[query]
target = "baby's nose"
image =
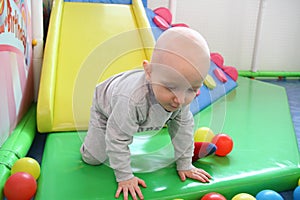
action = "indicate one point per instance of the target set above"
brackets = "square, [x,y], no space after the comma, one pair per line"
[180,98]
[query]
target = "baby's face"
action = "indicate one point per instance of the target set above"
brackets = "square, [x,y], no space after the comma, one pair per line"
[179,62]
[175,83]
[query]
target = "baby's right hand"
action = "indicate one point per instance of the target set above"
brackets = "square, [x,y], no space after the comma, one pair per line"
[131,185]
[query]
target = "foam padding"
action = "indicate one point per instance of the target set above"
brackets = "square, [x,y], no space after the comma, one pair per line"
[4,174]
[265,153]
[208,96]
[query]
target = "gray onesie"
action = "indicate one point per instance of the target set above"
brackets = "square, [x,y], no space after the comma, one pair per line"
[124,105]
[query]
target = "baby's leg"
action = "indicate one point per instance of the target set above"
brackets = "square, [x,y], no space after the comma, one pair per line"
[87,157]
[93,149]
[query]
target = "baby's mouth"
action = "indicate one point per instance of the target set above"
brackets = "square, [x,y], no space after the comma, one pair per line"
[174,106]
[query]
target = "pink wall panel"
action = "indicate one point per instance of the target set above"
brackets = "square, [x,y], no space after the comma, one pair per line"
[16,81]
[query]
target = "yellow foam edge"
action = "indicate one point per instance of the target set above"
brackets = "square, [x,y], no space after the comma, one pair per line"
[144,27]
[48,74]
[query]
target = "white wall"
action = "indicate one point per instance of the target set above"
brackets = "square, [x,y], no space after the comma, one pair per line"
[280,36]
[231,28]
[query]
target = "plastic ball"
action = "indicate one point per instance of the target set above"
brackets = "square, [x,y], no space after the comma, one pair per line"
[203,134]
[213,196]
[243,196]
[299,182]
[20,186]
[224,144]
[268,195]
[296,193]
[34,42]
[29,165]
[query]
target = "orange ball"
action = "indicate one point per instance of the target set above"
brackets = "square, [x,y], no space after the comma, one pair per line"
[20,185]
[224,144]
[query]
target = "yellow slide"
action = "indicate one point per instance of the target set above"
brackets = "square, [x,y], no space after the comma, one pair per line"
[87,43]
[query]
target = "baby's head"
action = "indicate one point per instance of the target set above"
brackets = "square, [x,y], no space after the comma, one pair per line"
[179,64]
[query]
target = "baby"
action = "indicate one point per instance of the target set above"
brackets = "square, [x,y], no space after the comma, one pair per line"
[139,100]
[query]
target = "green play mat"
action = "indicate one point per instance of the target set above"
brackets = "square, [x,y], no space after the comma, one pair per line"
[265,153]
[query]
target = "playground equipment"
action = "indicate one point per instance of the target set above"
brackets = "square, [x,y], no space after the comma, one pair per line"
[88,42]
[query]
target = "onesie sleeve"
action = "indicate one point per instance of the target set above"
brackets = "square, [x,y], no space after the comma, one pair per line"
[121,126]
[181,132]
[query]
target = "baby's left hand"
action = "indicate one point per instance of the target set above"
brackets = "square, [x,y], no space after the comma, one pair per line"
[194,173]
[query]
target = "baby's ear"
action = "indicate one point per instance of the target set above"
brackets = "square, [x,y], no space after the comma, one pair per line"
[147,69]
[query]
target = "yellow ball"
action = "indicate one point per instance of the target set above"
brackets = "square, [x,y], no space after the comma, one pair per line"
[34,42]
[28,165]
[203,134]
[299,182]
[243,196]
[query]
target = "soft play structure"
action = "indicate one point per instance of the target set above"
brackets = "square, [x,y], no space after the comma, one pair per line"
[87,42]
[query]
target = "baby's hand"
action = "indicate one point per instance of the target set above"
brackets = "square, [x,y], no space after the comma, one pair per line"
[194,173]
[131,185]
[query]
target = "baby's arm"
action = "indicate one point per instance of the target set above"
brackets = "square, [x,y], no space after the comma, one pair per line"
[181,131]
[121,126]
[119,156]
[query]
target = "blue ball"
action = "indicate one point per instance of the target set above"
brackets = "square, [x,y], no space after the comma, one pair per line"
[296,193]
[268,195]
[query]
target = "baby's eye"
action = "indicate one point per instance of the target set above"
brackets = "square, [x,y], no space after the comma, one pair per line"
[171,88]
[193,90]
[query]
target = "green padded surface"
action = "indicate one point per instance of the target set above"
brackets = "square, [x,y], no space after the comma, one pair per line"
[265,154]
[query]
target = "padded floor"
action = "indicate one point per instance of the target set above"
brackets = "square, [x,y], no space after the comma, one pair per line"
[292,87]
[265,154]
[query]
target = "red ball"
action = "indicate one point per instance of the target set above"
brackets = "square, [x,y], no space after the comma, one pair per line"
[224,144]
[20,186]
[213,196]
